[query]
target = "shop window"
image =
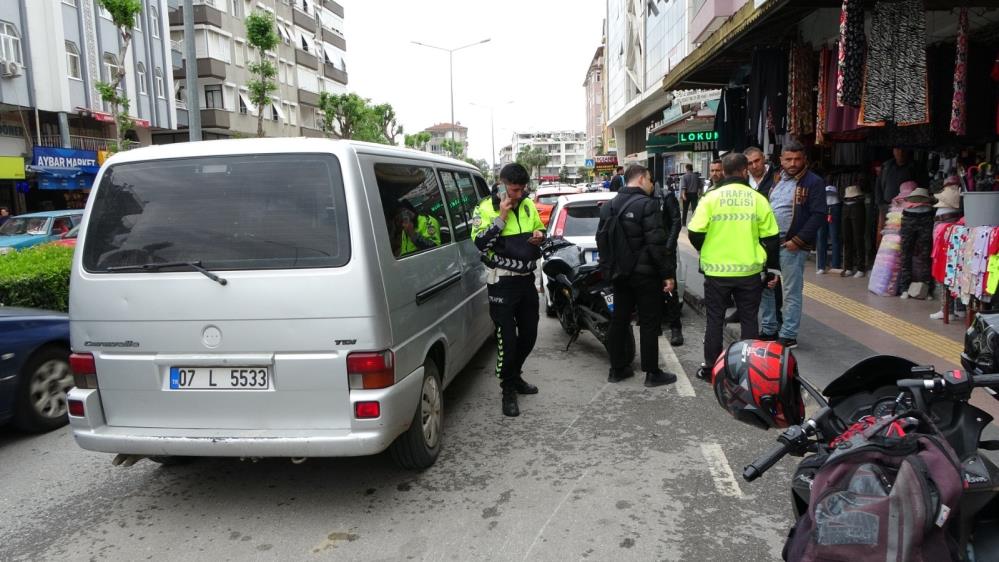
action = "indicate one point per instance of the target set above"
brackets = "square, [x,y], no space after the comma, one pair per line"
[415,213]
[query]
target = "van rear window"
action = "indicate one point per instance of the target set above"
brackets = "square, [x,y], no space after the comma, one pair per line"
[258,211]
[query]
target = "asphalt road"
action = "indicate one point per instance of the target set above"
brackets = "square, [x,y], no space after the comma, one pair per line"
[590,470]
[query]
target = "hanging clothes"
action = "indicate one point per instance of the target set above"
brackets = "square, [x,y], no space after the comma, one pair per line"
[850,61]
[839,118]
[958,116]
[895,86]
[731,120]
[801,81]
[767,102]
[825,58]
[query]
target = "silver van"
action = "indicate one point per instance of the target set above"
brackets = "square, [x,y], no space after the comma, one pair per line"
[274,298]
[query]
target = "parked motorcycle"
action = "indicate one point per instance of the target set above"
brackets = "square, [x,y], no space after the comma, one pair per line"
[582,298]
[885,388]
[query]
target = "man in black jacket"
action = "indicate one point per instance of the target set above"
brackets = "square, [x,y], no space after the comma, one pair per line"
[640,221]
[671,224]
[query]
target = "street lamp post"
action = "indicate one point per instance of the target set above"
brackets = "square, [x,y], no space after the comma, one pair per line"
[450,62]
[492,133]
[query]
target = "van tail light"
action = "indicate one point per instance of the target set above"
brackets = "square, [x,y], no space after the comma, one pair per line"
[560,222]
[369,370]
[76,408]
[84,370]
[367,410]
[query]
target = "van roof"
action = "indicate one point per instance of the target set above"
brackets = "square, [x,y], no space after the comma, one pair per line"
[274,145]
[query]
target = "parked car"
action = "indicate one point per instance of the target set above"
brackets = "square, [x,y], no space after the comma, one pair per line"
[576,218]
[222,306]
[546,197]
[34,368]
[24,231]
[68,239]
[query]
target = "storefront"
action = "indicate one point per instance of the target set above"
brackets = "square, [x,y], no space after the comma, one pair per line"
[61,178]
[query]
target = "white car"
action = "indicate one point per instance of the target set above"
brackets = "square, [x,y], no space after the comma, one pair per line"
[575,218]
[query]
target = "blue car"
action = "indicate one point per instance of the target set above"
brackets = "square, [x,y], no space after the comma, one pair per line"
[34,368]
[24,231]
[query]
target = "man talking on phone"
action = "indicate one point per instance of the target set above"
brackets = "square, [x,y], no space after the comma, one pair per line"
[507,231]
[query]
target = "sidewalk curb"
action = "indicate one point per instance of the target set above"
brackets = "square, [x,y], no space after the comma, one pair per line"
[731,332]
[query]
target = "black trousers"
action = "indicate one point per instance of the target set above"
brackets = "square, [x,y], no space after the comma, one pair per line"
[689,201]
[671,310]
[747,292]
[647,294]
[513,307]
[917,246]
[854,223]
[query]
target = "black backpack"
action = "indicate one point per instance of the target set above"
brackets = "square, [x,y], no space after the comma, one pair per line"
[617,258]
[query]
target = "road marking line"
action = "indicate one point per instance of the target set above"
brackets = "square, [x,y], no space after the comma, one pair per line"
[666,353]
[583,410]
[935,344]
[721,472]
[550,517]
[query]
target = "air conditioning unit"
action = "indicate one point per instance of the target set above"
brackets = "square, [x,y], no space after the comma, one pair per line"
[10,69]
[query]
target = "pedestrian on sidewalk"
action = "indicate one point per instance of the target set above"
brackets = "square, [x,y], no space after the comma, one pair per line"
[761,174]
[508,231]
[635,254]
[736,234]
[617,182]
[690,191]
[715,173]
[854,222]
[798,199]
[671,224]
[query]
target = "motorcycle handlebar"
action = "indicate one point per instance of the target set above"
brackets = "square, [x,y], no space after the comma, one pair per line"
[765,462]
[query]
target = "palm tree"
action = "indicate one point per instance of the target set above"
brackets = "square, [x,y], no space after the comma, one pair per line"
[533,158]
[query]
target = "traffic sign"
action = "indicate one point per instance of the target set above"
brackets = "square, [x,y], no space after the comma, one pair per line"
[590,163]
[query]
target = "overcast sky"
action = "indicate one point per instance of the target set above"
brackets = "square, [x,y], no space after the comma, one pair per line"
[537,57]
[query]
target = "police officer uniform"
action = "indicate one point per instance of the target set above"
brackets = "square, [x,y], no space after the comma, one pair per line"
[735,231]
[510,261]
[427,234]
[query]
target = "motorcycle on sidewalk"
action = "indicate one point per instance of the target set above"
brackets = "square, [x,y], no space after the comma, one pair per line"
[581,297]
[886,408]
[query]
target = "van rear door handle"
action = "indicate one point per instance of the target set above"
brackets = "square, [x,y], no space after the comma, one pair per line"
[437,288]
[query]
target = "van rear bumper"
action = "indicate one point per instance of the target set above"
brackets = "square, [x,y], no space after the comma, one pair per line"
[365,437]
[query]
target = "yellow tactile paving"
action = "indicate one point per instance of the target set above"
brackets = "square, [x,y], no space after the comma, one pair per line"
[940,346]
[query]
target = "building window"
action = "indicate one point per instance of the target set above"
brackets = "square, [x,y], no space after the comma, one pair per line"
[240,53]
[140,78]
[305,6]
[213,96]
[138,22]
[159,84]
[73,61]
[293,114]
[103,12]
[305,44]
[111,67]
[237,8]
[10,43]
[154,19]
[243,109]
[69,3]
[274,112]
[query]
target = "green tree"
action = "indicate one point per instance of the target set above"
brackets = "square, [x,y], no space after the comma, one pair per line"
[585,173]
[123,14]
[533,158]
[349,116]
[563,175]
[454,148]
[481,164]
[261,35]
[600,146]
[417,141]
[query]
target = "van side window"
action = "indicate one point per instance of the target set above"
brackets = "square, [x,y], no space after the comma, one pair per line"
[459,188]
[414,209]
[481,188]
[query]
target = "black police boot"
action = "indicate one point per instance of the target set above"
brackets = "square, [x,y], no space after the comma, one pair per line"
[659,378]
[676,337]
[524,387]
[510,407]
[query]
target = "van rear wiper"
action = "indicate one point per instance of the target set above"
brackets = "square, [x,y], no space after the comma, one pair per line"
[195,265]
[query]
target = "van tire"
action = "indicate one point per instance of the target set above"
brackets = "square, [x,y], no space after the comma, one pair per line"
[418,447]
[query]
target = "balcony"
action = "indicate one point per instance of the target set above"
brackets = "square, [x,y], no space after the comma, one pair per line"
[207,68]
[306,59]
[313,133]
[202,15]
[303,20]
[214,118]
[76,141]
[334,73]
[333,7]
[710,17]
[334,39]
[308,98]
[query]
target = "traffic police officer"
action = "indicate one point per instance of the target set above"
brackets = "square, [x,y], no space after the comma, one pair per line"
[736,234]
[425,234]
[507,231]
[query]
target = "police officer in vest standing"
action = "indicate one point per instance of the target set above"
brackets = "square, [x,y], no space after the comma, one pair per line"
[508,232]
[736,234]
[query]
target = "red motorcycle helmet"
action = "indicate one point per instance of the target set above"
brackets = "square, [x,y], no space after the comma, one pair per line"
[757,382]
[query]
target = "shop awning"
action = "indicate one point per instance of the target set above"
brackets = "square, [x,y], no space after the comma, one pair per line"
[250,108]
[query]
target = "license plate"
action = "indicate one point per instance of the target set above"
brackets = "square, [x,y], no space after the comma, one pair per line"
[220,378]
[609,299]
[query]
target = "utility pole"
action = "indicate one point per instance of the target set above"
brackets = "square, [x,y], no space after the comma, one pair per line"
[191,74]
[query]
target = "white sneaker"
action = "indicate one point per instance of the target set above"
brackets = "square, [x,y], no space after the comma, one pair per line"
[938,315]
[859,274]
[847,273]
[904,295]
[820,272]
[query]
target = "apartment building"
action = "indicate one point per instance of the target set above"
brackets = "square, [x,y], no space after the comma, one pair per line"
[596,119]
[564,148]
[442,131]
[310,59]
[52,55]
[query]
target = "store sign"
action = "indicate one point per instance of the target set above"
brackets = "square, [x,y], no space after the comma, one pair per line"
[605,164]
[11,168]
[63,157]
[702,136]
[108,118]
[696,141]
[11,131]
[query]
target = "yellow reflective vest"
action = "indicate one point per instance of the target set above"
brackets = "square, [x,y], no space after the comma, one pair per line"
[505,245]
[426,228]
[733,218]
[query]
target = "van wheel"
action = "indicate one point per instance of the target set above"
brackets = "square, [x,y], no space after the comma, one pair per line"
[171,460]
[419,446]
[41,395]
